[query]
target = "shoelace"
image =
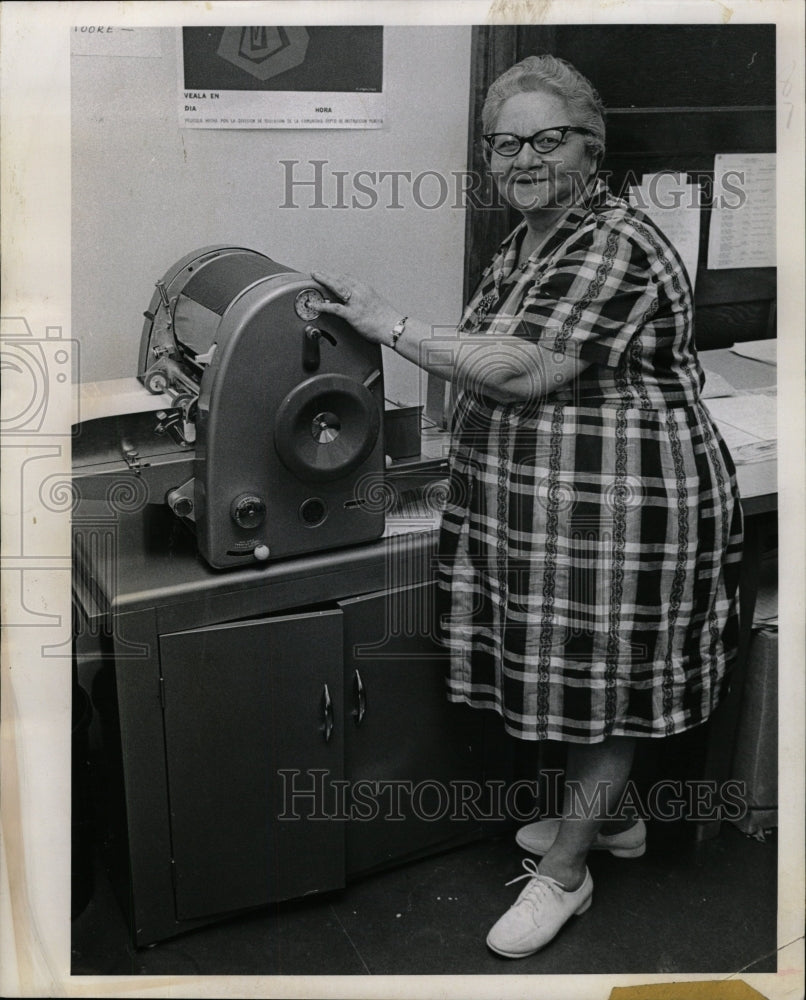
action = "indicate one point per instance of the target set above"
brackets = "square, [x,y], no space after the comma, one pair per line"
[539,882]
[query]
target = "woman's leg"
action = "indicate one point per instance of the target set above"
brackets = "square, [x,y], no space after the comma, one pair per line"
[560,886]
[599,771]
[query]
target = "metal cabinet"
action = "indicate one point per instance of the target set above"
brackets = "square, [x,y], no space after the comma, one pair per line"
[233,746]
[248,712]
[407,750]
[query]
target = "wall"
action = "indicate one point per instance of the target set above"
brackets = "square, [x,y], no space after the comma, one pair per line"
[145,192]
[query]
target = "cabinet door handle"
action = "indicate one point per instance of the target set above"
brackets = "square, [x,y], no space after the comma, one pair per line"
[327,711]
[360,699]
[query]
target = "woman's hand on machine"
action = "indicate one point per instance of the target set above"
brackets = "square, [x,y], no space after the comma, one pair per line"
[359,305]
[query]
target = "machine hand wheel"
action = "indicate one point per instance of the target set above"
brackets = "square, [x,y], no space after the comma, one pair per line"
[326,427]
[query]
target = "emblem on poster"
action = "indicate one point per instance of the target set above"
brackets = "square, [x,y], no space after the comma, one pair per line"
[264,52]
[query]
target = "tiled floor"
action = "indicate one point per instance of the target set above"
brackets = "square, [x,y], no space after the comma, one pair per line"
[683,907]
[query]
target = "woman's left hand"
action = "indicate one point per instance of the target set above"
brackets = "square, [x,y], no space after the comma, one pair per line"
[360,306]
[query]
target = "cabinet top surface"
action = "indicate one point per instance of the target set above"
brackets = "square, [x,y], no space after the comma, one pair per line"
[146,559]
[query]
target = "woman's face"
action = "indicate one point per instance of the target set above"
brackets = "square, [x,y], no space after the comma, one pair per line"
[536,182]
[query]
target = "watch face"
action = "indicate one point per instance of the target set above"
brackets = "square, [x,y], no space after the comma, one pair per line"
[307,303]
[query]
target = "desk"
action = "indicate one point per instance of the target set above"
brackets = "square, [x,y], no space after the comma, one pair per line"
[759,492]
[757,480]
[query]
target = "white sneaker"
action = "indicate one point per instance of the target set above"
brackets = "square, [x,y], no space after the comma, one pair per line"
[537,838]
[537,914]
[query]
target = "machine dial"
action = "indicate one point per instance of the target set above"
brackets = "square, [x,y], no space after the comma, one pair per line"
[307,303]
[248,511]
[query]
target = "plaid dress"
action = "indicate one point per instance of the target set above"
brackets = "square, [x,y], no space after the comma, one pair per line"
[590,545]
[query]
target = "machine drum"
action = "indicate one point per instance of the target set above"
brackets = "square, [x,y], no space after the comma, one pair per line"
[326,427]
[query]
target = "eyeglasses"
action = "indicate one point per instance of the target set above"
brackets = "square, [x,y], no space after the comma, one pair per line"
[544,141]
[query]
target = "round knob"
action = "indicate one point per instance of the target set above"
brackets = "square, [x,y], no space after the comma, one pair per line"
[248,511]
[181,505]
[261,552]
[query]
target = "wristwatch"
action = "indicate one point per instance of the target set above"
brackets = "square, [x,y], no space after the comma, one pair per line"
[397,331]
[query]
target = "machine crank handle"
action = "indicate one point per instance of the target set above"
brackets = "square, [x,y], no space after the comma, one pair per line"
[327,713]
[311,336]
[360,694]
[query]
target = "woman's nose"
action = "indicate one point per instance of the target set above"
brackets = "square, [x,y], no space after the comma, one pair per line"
[528,157]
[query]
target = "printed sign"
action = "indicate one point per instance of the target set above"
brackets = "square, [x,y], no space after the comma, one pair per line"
[281,77]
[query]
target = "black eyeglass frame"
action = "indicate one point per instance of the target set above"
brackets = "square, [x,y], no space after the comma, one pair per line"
[523,139]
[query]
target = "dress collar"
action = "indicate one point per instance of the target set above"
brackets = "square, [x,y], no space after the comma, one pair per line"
[564,227]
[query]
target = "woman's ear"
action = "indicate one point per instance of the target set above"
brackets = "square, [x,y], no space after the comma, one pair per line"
[596,158]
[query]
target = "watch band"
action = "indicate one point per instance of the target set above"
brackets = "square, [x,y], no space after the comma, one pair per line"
[397,331]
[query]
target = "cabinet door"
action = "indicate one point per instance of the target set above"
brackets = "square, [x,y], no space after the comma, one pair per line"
[244,703]
[407,749]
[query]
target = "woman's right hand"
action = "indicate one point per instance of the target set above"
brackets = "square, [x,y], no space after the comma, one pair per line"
[360,306]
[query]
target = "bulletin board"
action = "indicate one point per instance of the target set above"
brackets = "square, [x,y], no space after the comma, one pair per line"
[676,97]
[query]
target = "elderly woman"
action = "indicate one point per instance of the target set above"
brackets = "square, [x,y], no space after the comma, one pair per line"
[589,550]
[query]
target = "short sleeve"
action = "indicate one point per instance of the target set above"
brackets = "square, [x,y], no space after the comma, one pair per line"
[593,298]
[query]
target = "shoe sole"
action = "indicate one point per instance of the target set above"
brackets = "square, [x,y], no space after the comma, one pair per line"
[624,852]
[525,954]
[617,852]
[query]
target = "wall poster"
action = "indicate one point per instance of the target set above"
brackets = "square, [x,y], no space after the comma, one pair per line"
[281,77]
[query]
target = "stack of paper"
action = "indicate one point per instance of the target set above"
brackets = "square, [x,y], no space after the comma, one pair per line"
[716,385]
[115,397]
[748,424]
[758,350]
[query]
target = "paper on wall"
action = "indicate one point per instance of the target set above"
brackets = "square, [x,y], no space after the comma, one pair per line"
[281,77]
[673,205]
[742,230]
